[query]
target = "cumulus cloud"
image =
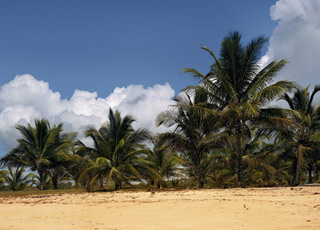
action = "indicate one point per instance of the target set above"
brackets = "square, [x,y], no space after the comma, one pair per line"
[25,98]
[296,38]
[143,104]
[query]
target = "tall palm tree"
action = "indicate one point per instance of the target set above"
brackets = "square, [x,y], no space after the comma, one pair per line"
[39,147]
[239,90]
[117,151]
[304,138]
[194,136]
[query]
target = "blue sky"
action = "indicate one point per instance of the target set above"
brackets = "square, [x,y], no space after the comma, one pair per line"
[70,61]
[100,45]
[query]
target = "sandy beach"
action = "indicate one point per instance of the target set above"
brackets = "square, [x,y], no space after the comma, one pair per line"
[230,209]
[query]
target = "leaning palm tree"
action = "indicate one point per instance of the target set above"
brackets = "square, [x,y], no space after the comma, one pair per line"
[239,90]
[16,180]
[304,138]
[39,147]
[117,151]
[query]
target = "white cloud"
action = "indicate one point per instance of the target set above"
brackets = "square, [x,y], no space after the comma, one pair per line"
[143,104]
[296,38]
[25,98]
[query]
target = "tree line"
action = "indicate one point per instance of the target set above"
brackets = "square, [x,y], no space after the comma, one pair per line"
[224,132]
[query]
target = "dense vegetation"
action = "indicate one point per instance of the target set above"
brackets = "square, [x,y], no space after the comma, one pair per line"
[224,132]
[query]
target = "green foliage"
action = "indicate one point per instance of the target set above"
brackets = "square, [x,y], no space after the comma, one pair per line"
[15,178]
[304,138]
[117,154]
[238,91]
[43,149]
[222,133]
[164,164]
[194,137]
[3,175]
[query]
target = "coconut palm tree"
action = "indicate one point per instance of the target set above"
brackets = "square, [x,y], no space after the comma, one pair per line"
[44,183]
[61,167]
[304,138]
[16,180]
[3,174]
[239,90]
[39,147]
[262,163]
[117,153]
[165,163]
[194,136]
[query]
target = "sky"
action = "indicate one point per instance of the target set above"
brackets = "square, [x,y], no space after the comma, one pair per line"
[70,61]
[99,45]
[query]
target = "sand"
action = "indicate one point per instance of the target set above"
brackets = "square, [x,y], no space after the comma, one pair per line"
[258,208]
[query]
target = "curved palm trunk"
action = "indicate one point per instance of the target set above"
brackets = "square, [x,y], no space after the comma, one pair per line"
[298,166]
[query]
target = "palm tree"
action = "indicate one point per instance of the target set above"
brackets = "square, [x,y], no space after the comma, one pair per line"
[60,167]
[239,90]
[117,151]
[16,180]
[194,136]
[165,163]
[39,148]
[3,174]
[304,138]
[263,166]
[43,183]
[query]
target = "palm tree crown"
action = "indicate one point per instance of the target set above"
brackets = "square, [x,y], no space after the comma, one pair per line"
[194,136]
[305,136]
[116,152]
[39,147]
[239,90]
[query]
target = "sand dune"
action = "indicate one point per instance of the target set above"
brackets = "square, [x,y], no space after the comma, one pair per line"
[228,209]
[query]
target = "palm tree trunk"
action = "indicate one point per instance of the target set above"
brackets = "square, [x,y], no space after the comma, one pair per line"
[298,166]
[239,162]
[200,182]
[55,182]
[88,187]
[117,185]
[101,182]
[41,180]
[310,169]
